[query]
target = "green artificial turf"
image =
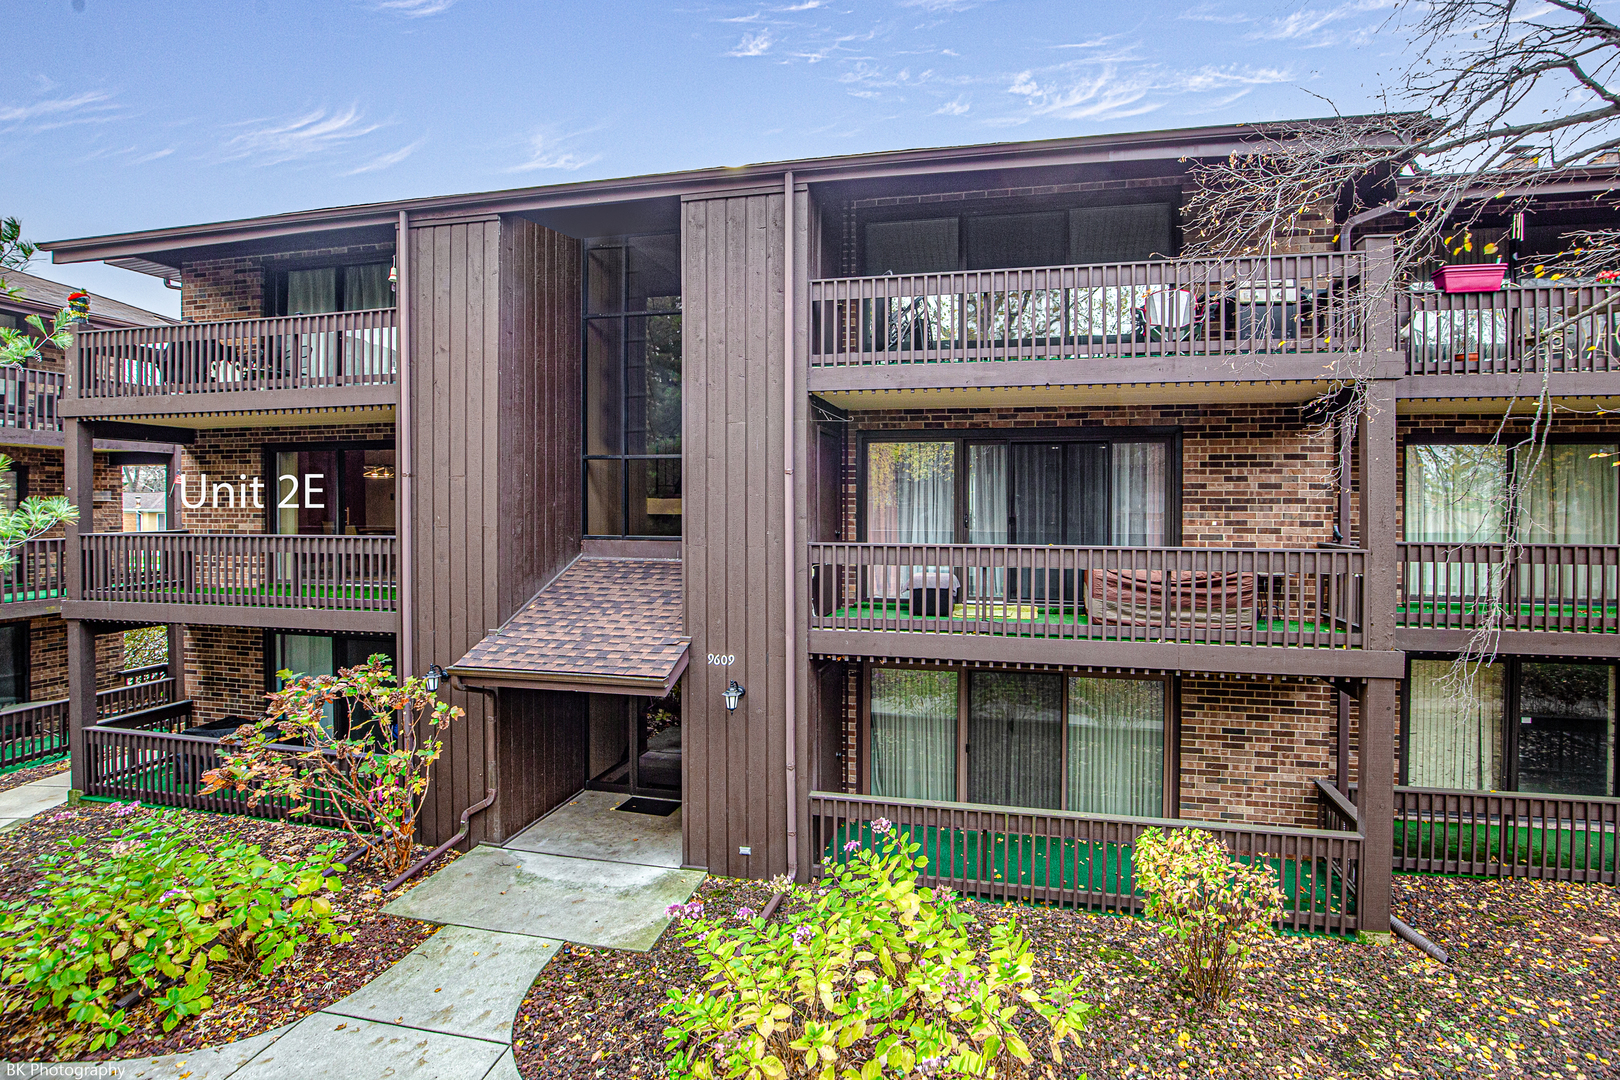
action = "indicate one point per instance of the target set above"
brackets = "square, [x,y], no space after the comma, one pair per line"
[1462,615]
[1067,616]
[23,597]
[41,744]
[1519,845]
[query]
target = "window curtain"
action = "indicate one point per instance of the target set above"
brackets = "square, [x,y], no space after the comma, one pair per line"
[312,292]
[1037,493]
[913,734]
[1455,494]
[1138,494]
[1454,741]
[987,514]
[910,498]
[1568,497]
[13,663]
[1116,747]
[1015,740]
[368,353]
[307,654]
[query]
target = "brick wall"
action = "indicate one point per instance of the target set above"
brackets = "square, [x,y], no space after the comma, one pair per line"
[47,658]
[224,672]
[227,455]
[1252,475]
[218,289]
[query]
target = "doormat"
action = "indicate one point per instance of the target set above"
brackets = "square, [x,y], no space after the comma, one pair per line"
[655,807]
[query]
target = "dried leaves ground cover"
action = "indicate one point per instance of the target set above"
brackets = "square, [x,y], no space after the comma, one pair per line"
[245,1003]
[1533,990]
[18,777]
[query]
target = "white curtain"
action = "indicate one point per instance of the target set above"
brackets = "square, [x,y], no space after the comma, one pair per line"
[1455,494]
[1454,741]
[910,498]
[1138,494]
[314,292]
[1569,497]
[1116,747]
[914,734]
[987,514]
[1015,740]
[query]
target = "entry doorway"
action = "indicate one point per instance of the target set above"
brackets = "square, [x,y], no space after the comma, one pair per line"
[636,745]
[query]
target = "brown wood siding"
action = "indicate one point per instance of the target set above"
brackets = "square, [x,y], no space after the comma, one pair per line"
[734,765]
[543,744]
[493,435]
[537,455]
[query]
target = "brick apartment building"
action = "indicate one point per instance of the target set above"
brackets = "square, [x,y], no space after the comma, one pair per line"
[996,517]
[33,635]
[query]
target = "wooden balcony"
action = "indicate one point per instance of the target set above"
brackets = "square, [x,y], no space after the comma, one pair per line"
[345,359]
[1082,860]
[1195,609]
[30,403]
[36,581]
[1505,343]
[316,582]
[1545,599]
[1283,318]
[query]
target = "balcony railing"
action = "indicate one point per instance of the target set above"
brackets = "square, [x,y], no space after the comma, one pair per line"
[1307,598]
[28,399]
[295,352]
[1082,860]
[1281,304]
[1507,834]
[36,730]
[1520,328]
[330,573]
[1547,587]
[39,573]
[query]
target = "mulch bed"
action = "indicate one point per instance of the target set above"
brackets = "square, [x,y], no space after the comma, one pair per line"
[19,777]
[1531,991]
[245,1003]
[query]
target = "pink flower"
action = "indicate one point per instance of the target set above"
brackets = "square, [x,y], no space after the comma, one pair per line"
[882,825]
[853,845]
[745,913]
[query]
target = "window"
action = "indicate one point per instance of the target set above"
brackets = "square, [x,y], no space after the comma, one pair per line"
[1563,741]
[13,487]
[325,654]
[331,489]
[1020,491]
[317,290]
[145,497]
[632,391]
[1096,745]
[13,663]
[1134,232]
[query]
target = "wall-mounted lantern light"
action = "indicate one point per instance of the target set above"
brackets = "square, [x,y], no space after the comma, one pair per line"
[434,676]
[733,694]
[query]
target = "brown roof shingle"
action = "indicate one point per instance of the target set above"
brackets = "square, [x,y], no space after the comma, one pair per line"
[605,625]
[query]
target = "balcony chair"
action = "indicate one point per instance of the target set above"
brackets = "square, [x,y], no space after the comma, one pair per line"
[1169,314]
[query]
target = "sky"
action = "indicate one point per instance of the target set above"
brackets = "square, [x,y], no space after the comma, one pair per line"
[119,115]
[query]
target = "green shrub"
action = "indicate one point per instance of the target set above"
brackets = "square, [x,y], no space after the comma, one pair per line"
[146,909]
[867,976]
[1213,909]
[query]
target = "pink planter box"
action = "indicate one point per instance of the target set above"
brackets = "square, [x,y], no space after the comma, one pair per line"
[1473,277]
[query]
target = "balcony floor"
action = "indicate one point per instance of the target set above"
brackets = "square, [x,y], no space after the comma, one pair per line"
[1032,616]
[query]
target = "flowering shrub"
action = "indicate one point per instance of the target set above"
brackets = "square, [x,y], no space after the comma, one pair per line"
[867,975]
[375,783]
[146,910]
[1213,910]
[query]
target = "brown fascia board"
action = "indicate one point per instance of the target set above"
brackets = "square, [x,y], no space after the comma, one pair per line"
[1556,182]
[1203,142]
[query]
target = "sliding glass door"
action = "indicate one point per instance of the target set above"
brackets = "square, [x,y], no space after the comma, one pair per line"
[1095,745]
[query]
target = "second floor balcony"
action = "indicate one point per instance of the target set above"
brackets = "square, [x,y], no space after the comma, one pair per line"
[325,582]
[1209,609]
[344,358]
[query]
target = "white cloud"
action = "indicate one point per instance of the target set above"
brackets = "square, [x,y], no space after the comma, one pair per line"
[941,5]
[271,141]
[46,113]
[413,9]
[384,161]
[1110,90]
[808,5]
[154,155]
[952,108]
[1319,27]
[753,44]
[544,154]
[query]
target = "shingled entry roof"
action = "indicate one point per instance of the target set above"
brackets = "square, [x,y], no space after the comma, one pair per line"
[604,625]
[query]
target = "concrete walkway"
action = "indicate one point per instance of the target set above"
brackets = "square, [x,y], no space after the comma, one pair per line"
[446,1009]
[23,802]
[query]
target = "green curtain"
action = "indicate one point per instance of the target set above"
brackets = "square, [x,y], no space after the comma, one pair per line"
[913,749]
[1454,741]
[1116,747]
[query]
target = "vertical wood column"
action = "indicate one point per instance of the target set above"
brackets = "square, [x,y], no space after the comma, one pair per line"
[81,673]
[177,659]
[1375,764]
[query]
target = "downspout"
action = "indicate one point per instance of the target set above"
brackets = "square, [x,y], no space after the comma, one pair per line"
[476,808]
[1365,215]
[406,440]
[790,607]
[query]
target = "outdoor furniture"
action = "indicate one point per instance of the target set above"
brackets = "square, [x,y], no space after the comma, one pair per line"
[933,592]
[1202,599]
